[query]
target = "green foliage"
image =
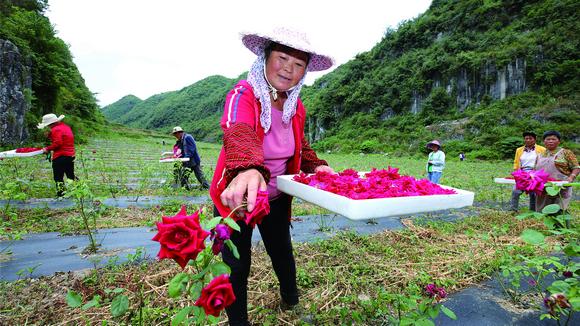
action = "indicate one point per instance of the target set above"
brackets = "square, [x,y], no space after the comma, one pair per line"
[423,61]
[562,296]
[197,108]
[80,192]
[73,299]
[438,101]
[57,85]
[114,111]
[415,310]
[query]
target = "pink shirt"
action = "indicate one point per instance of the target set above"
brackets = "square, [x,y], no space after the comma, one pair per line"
[278,149]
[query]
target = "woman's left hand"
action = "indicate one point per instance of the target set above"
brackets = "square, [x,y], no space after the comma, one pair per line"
[324,168]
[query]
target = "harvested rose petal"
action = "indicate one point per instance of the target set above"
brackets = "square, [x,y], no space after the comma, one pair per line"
[531,181]
[375,184]
[28,149]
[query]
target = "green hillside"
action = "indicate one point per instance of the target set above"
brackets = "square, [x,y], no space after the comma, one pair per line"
[439,76]
[472,73]
[197,108]
[121,107]
[57,86]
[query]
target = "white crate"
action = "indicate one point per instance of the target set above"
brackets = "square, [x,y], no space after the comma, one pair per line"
[363,209]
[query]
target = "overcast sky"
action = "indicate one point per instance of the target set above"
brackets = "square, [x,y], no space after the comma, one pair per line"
[146,47]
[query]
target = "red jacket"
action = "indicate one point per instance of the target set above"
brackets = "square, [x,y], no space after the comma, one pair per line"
[243,139]
[63,141]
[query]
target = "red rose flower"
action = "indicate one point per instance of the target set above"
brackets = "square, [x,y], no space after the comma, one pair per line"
[216,296]
[261,209]
[181,237]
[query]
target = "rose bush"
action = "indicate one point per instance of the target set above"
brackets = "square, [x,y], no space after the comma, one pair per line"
[562,296]
[205,279]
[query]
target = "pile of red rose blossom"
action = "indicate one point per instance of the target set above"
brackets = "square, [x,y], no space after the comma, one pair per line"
[28,149]
[375,184]
[182,239]
[531,181]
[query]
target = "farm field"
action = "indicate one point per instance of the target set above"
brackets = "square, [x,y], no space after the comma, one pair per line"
[121,167]
[347,279]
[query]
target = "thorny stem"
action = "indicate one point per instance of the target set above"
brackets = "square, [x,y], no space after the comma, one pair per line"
[569,316]
[399,309]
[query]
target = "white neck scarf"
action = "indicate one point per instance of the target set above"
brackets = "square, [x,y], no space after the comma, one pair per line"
[263,90]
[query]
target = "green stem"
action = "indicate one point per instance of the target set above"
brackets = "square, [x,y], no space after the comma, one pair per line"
[93,247]
[236,208]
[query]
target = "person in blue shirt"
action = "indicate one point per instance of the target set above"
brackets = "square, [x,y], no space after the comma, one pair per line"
[186,144]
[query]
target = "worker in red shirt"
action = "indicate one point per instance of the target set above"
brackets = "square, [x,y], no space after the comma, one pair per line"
[63,150]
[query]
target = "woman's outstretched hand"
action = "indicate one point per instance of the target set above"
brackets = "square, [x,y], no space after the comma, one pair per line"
[324,168]
[247,182]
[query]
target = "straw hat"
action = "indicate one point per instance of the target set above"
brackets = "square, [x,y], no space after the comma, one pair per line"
[177,129]
[49,119]
[257,42]
[434,142]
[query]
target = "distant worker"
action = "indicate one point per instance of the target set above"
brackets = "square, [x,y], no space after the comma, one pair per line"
[63,150]
[186,144]
[561,164]
[525,159]
[435,162]
[461,156]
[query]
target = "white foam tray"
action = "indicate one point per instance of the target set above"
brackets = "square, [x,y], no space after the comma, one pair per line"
[374,208]
[513,181]
[12,153]
[505,181]
[179,159]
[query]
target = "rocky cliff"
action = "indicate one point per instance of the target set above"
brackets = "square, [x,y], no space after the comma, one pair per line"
[15,90]
[471,86]
[469,71]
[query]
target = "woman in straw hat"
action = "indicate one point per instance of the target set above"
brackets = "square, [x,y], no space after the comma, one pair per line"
[263,124]
[63,149]
[435,162]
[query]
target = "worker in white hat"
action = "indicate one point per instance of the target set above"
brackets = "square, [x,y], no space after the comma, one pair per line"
[63,149]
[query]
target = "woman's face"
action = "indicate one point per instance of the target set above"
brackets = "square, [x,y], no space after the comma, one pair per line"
[285,67]
[551,142]
[529,141]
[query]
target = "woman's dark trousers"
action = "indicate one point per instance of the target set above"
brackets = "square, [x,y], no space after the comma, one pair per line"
[275,232]
[60,166]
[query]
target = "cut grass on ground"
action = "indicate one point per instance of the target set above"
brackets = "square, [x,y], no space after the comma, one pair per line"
[343,280]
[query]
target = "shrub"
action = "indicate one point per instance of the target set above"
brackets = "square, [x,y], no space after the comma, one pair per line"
[483,154]
[370,146]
